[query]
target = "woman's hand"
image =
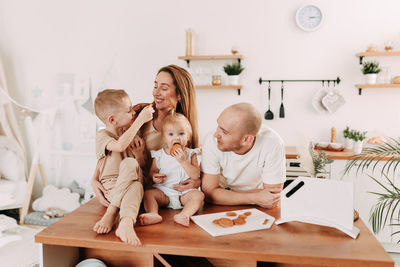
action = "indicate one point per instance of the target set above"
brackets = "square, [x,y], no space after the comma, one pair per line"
[137,146]
[99,191]
[187,184]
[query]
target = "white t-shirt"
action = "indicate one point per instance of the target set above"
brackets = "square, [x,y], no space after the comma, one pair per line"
[264,163]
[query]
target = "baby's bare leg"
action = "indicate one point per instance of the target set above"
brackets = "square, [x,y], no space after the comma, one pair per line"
[106,223]
[191,201]
[153,198]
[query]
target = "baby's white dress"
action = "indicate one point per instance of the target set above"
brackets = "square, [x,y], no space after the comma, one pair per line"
[170,166]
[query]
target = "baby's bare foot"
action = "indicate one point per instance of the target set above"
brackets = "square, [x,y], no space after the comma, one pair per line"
[106,223]
[126,232]
[181,219]
[149,218]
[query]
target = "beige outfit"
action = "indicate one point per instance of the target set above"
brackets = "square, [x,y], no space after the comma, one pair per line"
[152,137]
[153,141]
[121,175]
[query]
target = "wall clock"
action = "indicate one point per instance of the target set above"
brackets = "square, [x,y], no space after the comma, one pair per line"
[309,17]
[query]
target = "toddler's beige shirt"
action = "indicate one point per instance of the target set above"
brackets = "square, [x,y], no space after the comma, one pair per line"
[109,161]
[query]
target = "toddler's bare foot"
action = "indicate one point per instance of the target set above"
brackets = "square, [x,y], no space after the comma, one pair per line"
[149,218]
[182,219]
[106,223]
[126,232]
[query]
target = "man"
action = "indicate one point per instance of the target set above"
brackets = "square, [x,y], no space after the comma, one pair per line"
[243,162]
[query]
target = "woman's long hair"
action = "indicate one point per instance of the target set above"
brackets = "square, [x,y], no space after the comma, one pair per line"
[187,103]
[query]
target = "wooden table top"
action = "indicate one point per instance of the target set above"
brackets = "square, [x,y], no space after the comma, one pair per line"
[291,152]
[293,242]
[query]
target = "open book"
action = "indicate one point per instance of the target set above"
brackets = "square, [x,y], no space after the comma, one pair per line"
[319,201]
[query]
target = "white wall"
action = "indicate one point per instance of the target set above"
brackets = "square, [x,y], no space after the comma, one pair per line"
[121,44]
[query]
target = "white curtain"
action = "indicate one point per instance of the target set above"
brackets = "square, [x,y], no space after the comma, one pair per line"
[8,121]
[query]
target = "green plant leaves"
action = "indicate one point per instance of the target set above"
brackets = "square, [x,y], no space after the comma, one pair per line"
[370,67]
[233,69]
[384,211]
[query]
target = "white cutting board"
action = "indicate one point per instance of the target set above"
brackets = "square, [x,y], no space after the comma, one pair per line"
[253,222]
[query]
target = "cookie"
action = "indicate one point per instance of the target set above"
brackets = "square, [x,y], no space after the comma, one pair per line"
[174,147]
[225,222]
[242,216]
[247,213]
[239,221]
[216,221]
[231,213]
[159,175]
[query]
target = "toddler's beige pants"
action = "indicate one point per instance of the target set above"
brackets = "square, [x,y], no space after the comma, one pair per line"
[126,190]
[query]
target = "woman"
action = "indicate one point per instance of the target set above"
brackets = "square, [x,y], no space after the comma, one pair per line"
[173,91]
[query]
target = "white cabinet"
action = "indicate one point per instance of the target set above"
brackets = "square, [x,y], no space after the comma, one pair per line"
[364,200]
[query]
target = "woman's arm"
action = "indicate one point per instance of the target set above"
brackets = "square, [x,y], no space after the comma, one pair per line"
[138,149]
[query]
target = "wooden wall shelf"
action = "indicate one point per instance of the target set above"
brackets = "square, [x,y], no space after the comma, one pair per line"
[364,86]
[237,87]
[377,53]
[210,57]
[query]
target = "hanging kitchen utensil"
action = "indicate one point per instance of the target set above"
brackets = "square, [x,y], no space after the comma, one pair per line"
[317,101]
[282,109]
[268,114]
[333,100]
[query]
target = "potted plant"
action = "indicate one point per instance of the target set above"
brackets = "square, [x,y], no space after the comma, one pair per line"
[314,162]
[348,141]
[233,70]
[370,69]
[358,138]
[385,211]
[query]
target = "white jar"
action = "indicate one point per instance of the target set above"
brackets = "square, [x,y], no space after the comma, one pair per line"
[357,148]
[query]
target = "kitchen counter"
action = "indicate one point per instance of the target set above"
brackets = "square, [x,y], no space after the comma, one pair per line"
[346,154]
[291,152]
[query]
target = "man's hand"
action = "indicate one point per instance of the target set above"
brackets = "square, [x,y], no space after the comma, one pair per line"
[267,198]
[187,184]
[99,191]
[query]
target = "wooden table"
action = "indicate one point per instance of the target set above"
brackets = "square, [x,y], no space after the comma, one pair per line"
[72,239]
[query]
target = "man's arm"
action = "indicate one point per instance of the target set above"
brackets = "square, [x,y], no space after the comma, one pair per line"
[266,198]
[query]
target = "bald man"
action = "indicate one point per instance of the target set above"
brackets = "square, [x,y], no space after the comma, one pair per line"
[243,162]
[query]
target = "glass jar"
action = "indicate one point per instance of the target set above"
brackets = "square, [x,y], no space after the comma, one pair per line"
[388,46]
[216,80]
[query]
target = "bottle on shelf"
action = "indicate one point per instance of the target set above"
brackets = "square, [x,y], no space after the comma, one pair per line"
[189,42]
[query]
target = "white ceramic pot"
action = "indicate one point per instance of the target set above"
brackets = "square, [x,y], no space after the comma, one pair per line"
[233,79]
[348,143]
[371,78]
[357,148]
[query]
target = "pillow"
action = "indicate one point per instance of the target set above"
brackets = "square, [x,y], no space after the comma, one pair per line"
[56,198]
[11,166]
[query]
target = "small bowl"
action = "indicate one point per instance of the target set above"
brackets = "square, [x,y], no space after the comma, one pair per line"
[336,145]
[322,144]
